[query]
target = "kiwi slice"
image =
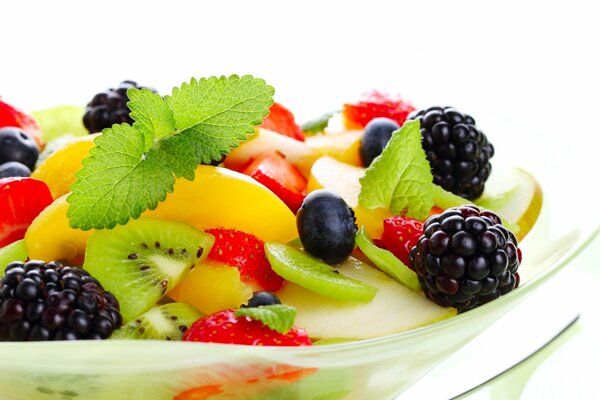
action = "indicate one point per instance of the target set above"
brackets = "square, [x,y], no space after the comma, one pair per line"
[141,261]
[167,322]
[16,251]
[313,274]
[387,262]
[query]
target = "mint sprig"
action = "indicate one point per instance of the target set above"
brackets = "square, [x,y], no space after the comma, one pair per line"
[132,168]
[319,124]
[400,179]
[277,317]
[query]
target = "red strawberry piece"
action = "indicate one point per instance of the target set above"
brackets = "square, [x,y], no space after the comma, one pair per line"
[11,116]
[280,176]
[199,393]
[245,252]
[21,200]
[375,104]
[400,234]
[281,120]
[225,327]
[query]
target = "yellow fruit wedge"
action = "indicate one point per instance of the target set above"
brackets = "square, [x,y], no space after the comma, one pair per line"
[211,287]
[219,197]
[58,170]
[50,238]
[264,140]
[515,195]
[343,146]
[395,308]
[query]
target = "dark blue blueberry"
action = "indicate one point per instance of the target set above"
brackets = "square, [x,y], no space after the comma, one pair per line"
[16,145]
[14,169]
[326,226]
[377,133]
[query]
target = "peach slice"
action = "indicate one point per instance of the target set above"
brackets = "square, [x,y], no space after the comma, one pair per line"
[58,170]
[221,198]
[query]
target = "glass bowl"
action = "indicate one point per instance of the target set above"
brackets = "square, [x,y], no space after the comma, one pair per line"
[378,368]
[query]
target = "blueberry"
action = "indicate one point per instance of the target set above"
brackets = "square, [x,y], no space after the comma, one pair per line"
[14,169]
[326,226]
[263,298]
[16,145]
[377,133]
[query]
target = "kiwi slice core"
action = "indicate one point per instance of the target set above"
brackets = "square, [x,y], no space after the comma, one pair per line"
[141,261]
[167,322]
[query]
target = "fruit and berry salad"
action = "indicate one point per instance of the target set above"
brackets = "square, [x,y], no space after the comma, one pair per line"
[212,215]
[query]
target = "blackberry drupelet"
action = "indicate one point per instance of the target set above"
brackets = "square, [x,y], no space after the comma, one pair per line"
[40,301]
[466,258]
[457,150]
[109,107]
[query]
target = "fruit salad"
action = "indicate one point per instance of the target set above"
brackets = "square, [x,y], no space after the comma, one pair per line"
[212,215]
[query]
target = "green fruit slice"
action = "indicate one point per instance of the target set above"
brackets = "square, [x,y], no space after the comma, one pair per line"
[60,120]
[141,261]
[296,266]
[387,262]
[16,251]
[167,322]
[394,309]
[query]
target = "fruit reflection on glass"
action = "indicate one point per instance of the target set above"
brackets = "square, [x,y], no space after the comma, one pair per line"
[215,217]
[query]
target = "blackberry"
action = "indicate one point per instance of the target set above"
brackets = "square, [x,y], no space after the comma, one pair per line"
[457,150]
[109,107]
[40,301]
[466,258]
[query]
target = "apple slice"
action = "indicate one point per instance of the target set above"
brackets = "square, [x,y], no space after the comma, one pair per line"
[515,195]
[264,140]
[395,308]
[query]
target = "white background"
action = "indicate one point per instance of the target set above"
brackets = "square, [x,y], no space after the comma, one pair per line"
[534,65]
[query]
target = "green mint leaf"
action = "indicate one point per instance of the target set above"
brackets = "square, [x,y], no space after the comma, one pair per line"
[151,114]
[132,168]
[118,181]
[213,116]
[400,178]
[319,124]
[278,317]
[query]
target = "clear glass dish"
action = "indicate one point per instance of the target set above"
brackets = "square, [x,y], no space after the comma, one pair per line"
[371,369]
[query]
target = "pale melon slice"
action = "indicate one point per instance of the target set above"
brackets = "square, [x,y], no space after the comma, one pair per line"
[395,308]
[515,195]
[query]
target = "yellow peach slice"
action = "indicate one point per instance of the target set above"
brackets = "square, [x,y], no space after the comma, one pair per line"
[211,287]
[50,238]
[58,170]
[219,197]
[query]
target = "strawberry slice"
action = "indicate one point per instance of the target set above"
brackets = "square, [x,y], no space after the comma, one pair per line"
[280,176]
[225,327]
[400,234]
[21,200]
[281,120]
[11,116]
[373,104]
[245,252]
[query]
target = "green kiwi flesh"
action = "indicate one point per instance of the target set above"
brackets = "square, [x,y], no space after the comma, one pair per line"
[141,261]
[166,322]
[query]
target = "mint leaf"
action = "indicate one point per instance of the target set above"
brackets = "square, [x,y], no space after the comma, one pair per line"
[132,168]
[231,107]
[278,317]
[118,181]
[319,124]
[400,178]
[151,114]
